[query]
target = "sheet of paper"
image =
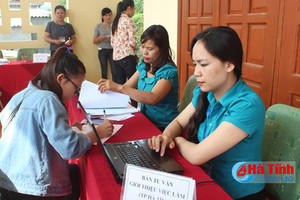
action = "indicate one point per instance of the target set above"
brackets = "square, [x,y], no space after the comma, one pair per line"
[99,112]
[90,97]
[119,117]
[87,128]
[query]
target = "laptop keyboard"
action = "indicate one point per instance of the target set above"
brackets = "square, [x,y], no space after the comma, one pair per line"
[133,153]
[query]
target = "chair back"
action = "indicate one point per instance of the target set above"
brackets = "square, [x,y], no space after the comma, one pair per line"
[281,142]
[28,52]
[1,54]
[187,93]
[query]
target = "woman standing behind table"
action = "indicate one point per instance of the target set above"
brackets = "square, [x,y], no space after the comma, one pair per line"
[102,38]
[123,41]
[225,120]
[37,141]
[156,79]
[59,33]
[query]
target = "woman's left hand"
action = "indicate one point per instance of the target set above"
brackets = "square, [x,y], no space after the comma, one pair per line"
[105,84]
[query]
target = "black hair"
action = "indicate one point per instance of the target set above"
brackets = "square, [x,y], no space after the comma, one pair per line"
[223,43]
[122,5]
[104,12]
[159,35]
[59,7]
[61,62]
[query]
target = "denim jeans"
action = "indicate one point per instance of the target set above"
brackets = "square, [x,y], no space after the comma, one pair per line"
[104,55]
[74,176]
[125,68]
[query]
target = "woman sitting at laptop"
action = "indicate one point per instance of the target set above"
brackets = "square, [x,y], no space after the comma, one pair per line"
[156,79]
[224,122]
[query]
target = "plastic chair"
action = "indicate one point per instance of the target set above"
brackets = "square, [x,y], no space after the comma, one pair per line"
[28,52]
[187,93]
[281,142]
[1,54]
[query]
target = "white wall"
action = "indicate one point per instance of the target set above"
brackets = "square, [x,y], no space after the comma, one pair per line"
[165,13]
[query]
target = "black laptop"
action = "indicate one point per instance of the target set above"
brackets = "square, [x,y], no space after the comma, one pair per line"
[133,152]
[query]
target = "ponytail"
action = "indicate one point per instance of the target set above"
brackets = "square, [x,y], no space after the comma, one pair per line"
[122,5]
[114,25]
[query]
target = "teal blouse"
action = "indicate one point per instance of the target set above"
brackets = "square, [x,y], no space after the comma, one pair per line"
[165,111]
[242,107]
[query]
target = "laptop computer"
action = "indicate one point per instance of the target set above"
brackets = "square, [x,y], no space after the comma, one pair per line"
[133,152]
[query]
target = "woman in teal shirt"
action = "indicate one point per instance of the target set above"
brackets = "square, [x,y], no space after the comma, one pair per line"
[224,123]
[156,79]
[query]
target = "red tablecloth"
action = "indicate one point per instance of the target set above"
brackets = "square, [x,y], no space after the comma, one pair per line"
[97,180]
[15,76]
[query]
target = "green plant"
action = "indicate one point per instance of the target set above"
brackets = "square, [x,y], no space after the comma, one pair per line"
[138,20]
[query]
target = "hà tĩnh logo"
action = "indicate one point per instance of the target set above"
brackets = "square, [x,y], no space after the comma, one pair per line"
[265,172]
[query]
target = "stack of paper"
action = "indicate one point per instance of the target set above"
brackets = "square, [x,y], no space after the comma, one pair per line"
[116,105]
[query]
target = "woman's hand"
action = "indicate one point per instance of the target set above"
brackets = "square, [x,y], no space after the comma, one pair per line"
[105,129]
[77,124]
[105,84]
[160,143]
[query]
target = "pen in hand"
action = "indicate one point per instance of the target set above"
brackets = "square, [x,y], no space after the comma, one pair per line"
[104,115]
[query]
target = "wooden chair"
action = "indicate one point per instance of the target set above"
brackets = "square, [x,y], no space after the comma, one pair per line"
[281,142]
[28,52]
[187,93]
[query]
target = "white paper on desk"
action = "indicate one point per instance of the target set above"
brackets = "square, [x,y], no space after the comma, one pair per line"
[87,128]
[115,111]
[119,117]
[90,97]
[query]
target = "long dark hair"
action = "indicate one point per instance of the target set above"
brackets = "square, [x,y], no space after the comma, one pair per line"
[122,5]
[104,12]
[159,35]
[223,43]
[61,62]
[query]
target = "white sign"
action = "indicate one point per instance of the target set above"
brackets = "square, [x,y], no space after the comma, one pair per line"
[143,183]
[40,57]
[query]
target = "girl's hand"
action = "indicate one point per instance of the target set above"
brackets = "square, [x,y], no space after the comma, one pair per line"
[105,129]
[105,84]
[77,124]
[160,143]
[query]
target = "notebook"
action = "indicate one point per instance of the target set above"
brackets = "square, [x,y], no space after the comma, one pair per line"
[118,154]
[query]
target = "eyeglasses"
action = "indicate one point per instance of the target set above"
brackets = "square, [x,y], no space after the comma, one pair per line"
[77,91]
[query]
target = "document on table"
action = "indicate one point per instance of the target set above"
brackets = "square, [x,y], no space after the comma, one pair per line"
[90,97]
[87,128]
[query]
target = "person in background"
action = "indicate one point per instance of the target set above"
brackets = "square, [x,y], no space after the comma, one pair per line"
[37,141]
[224,123]
[156,79]
[102,39]
[123,41]
[59,33]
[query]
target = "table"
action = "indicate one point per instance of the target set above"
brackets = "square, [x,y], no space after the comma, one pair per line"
[15,76]
[97,180]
